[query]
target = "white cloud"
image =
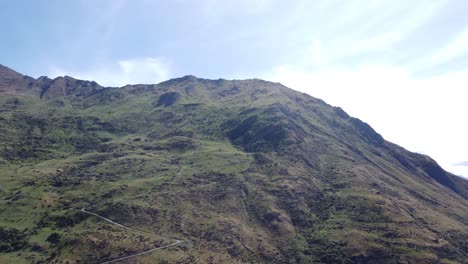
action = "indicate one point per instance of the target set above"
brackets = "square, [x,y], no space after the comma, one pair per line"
[462,163]
[455,48]
[132,71]
[404,20]
[423,115]
[220,7]
[347,29]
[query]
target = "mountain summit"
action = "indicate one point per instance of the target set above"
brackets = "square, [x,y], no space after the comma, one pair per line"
[193,170]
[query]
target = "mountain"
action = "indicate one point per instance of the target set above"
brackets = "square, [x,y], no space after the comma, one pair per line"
[212,171]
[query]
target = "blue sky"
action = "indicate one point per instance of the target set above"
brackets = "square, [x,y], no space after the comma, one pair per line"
[400,65]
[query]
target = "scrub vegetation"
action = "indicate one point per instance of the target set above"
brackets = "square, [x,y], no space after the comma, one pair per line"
[242,171]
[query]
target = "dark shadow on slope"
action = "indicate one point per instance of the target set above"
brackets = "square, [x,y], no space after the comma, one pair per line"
[270,128]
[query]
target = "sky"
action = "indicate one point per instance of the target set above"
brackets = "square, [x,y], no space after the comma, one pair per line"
[399,65]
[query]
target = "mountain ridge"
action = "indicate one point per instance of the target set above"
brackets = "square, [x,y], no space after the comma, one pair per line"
[60,83]
[248,170]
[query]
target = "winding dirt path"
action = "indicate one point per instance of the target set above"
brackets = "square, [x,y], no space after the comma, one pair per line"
[177,241]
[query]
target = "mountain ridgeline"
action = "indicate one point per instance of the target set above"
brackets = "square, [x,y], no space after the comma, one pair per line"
[241,171]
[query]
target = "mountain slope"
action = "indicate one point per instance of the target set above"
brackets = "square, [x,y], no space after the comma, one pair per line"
[243,171]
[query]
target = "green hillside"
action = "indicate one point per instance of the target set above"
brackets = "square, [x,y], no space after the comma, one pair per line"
[242,171]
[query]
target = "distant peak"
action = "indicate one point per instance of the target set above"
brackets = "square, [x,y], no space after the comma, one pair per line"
[44,78]
[62,78]
[6,72]
[189,77]
[186,78]
[195,78]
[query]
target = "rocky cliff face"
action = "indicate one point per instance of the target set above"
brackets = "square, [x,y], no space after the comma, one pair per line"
[246,170]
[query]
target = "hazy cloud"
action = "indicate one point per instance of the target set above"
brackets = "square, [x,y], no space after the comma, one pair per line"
[219,7]
[463,163]
[456,47]
[389,24]
[131,71]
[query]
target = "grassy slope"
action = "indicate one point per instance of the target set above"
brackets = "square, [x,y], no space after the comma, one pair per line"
[247,171]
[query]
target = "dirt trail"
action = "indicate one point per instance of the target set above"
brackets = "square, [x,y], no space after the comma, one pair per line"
[177,241]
